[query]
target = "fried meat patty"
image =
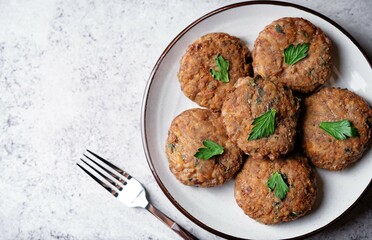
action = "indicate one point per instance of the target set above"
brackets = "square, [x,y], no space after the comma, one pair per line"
[307,74]
[254,197]
[332,105]
[252,98]
[186,135]
[194,74]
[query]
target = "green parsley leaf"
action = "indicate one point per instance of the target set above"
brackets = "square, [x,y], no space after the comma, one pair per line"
[277,182]
[340,130]
[223,69]
[294,54]
[212,149]
[264,125]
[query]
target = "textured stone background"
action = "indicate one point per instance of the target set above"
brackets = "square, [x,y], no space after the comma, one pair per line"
[72,75]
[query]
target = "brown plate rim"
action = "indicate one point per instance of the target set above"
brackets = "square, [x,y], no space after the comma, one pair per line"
[148,87]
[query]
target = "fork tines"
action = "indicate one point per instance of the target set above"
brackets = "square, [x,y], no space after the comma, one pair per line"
[101,170]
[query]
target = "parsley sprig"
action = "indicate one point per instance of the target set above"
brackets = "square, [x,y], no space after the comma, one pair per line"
[211,149]
[340,129]
[223,69]
[264,125]
[277,182]
[293,54]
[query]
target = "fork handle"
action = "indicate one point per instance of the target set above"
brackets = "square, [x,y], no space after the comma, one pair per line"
[170,223]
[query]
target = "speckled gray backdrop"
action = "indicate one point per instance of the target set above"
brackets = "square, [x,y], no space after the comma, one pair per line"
[72,75]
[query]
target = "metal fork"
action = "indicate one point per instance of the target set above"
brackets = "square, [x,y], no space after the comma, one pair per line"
[126,189]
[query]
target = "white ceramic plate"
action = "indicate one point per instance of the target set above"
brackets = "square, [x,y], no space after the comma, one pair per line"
[215,209]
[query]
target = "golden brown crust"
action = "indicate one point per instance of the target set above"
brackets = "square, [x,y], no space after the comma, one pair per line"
[307,74]
[186,135]
[251,99]
[330,105]
[259,202]
[194,74]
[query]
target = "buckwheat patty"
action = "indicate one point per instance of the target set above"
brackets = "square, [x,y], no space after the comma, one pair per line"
[331,105]
[186,135]
[307,74]
[252,98]
[259,202]
[195,76]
